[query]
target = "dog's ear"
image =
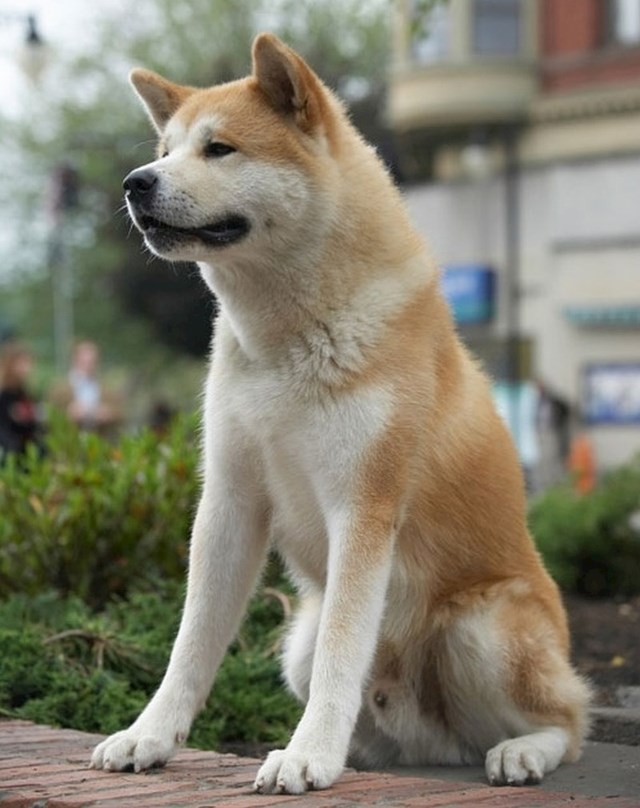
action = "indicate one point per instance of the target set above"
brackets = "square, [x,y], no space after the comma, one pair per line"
[160,97]
[288,83]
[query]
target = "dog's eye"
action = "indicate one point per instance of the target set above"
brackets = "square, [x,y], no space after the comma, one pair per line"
[164,154]
[217,149]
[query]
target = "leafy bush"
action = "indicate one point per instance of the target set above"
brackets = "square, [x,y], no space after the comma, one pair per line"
[62,664]
[591,544]
[91,517]
[55,679]
[103,529]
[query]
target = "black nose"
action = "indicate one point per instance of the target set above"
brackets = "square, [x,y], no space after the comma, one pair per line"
[140,182]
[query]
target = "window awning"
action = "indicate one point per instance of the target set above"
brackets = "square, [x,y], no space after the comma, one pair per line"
[599,316]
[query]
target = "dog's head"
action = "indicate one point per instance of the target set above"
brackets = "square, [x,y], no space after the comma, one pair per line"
[240,166]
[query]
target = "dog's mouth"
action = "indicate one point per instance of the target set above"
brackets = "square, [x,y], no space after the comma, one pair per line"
[226,230]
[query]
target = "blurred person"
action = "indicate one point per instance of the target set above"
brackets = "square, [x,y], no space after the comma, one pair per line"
[83,396]
[553,417]
[582,463]
[160,417]
[19,421]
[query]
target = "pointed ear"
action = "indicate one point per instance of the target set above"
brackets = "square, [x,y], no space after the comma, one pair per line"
[160,97]
[288,83]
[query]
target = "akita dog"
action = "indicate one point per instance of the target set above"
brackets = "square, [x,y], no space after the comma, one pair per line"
[345,425]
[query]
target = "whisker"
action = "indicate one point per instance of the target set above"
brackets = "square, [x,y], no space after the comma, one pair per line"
[145,143]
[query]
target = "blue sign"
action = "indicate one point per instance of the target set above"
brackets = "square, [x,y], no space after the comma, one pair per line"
[612,393]
[470,291]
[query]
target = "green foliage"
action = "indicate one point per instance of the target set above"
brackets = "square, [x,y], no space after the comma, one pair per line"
[62,664]
[57,681]
[101,530]
[589,543]
[92,518]
[249,702]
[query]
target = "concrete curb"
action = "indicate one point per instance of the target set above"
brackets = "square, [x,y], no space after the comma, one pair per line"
[616,725]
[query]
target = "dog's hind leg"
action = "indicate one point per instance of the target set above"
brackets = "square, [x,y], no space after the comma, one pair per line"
[528,758]
[524,705]
[545,689]
[300,645]
[554,701]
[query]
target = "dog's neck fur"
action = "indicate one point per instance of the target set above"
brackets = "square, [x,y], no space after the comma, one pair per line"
[319,313]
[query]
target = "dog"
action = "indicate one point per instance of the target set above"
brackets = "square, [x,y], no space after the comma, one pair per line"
[345,425]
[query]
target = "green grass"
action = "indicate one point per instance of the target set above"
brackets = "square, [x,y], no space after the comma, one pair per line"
[62,664]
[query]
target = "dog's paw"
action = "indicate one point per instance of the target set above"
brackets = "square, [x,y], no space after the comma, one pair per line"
[133,749]
[290,772]
[515,762]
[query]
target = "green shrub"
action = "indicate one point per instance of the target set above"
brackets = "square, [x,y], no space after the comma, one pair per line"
[92,518]
[42,684]
[93,546]
[589,543]
[62,664]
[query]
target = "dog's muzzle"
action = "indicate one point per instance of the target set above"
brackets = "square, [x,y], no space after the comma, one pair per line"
[141,188]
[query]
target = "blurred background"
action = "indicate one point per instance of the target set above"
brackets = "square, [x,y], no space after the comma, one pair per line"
[512,126]
[513,129]
[517,131]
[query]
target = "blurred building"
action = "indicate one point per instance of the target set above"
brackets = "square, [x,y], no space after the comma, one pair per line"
[517,126]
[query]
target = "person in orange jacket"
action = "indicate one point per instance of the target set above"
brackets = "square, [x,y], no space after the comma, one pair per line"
[582,464]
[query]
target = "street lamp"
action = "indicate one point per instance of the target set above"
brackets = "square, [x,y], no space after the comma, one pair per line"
[32,56]
[32,59]
[63,199]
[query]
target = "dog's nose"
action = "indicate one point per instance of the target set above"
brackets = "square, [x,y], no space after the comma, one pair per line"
[140,182]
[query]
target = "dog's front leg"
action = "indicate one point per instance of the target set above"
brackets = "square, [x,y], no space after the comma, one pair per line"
[227,550]
[360,554]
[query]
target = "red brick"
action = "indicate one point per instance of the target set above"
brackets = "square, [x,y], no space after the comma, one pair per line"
[499,797]
[135,794]
[49,767]
[44,772]
[225,774]
[374,783]
[16,762]
[8,800]
[67,802]
[188,797]
[322,799]
[258,800]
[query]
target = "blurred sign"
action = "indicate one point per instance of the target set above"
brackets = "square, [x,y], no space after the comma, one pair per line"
[518,406]
[470,291]
[620,316]
[612,394]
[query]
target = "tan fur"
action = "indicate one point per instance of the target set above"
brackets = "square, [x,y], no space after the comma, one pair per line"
[345,419]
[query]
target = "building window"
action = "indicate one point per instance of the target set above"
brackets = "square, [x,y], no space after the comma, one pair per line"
[496,28]
[430,32]
[622,22]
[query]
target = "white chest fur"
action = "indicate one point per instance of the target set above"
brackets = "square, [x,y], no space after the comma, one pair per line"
[311,446]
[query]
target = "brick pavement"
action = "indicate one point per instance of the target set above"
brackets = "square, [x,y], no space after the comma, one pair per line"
[41,767]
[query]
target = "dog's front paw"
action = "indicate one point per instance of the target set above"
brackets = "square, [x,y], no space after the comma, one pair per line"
[515,762]
[133,749]
[290,772]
